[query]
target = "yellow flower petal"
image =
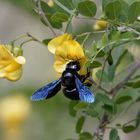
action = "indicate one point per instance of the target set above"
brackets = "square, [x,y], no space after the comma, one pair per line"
[20,60]
[10,67]
[69,51]
[54,43]
[60,66]
[50,3]
[14,75]
[14,110]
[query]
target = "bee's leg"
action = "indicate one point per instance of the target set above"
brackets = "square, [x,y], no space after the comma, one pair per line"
[84,77]
[88,83]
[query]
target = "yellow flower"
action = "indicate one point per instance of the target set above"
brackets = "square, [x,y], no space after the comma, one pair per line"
[66,50]
[54,43]
[10,66]
[100,25]
[14,111]
[50,3]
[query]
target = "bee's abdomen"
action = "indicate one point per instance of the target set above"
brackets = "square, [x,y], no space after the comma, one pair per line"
[71,93]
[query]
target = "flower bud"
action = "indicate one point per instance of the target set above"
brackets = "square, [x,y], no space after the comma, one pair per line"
[100,25]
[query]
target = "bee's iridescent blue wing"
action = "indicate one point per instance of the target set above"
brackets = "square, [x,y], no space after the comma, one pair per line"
[47,91]
[84,94]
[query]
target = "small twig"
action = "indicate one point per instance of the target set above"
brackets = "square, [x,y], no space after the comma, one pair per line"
[68,24]
[102,127]
[41,13]
[132,70]
[84,41]
[93,18]
[47,22]
[131,121]
[85,33]
[18,38]
[29,40]
[100,81]
[98,86]
[34,38]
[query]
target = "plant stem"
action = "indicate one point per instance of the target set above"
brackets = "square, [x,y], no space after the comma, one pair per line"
[131,121]
[18,38]
[34,38]
[63,7]
[86,33]
[39,11]
[132,70]
[98,86]
[68,24]
[102,127]
[23,43]
[84,41]
[48,23]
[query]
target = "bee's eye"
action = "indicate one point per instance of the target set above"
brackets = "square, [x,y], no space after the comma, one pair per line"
[74,65]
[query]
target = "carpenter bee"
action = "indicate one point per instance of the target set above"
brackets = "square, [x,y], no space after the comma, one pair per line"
[72,83]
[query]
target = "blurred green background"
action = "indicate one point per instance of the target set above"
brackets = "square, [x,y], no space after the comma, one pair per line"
[44,120]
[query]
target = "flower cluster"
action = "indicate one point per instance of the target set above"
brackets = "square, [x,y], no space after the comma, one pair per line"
[11,61]
[66,49]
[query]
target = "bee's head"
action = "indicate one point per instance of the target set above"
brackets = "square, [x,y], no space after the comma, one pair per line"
[74,65]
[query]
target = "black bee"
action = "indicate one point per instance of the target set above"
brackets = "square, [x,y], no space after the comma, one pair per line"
[73,87]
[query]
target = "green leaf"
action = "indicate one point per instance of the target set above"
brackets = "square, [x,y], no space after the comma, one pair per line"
[110,108]
[80,105]
[59,17]
[123,54]
[123,99]
[56,19]
[106,2]
[85,136]
[108,104]
[114,135]
[101,54]
[87,8]
[124,11]
[134,11]
[46,8]
[103,98]
[46,41]
[128,128]
[57,25]
[102,75]
[72,111]
[112,10]
[102,42]
[109,58]
[92,113]
[111,73]
[94,64]
[80,124]
[138,99]
[133,84]
[138,119]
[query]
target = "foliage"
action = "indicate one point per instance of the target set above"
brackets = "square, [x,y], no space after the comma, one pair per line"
[111,62]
